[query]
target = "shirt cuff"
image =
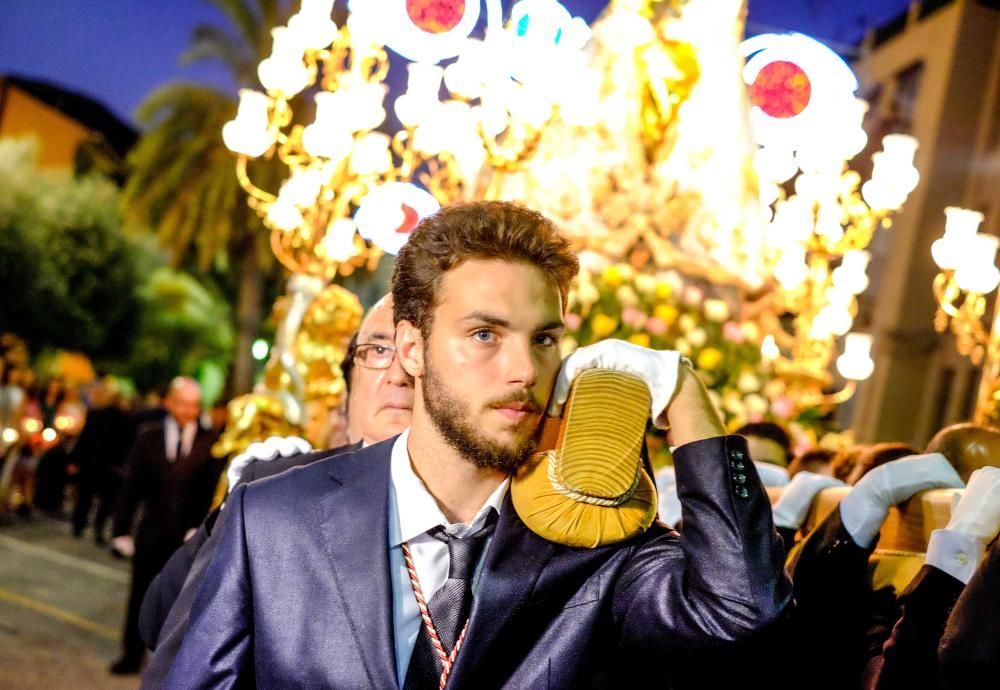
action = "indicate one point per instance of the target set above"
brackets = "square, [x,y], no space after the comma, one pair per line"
[954,553]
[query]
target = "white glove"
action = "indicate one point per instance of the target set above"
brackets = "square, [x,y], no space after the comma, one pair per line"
[867,506]
[669,505]
[124,544]
[771,475]
[791,509]
[977,514]
[273,447]
[658,368]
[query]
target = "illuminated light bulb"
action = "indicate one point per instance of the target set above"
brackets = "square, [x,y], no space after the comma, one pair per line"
[328,137]
[371,154]
[838,319]
[338,242]
[32,425]
[302,188]
[284,215]
[769,193]
[10,435]
[851,274]
[63,422]
[363,105]
[769,348]
[491,117]
[528,107]
[418,104]
[49,435]
[878,196]
[312,26]
[856,363]
[364,25]
[960,227]
[977,273]
[284,72]
[248,133]
[774,164]
[828,223]
[791,270]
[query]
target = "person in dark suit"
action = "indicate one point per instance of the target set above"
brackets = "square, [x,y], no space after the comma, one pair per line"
[839,616]
[969,648]
[100,455]
[171,474]
[328,575]
[380,400]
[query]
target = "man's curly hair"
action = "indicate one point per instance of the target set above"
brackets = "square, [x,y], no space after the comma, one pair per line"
[480,230]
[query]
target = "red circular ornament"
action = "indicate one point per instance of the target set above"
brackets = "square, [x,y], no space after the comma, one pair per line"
[781,89]
[435,16]
[410,219]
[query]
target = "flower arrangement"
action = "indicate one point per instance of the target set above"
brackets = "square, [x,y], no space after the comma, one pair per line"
[666,311]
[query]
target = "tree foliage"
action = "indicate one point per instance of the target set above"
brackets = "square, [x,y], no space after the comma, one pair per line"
[67,273]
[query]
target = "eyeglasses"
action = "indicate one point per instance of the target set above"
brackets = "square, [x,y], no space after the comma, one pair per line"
[374,355]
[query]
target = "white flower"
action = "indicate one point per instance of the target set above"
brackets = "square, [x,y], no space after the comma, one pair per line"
[716,310]
[697,337]
[626,296]
[748,382]
[646,284]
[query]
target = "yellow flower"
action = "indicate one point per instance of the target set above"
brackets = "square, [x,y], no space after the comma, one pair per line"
[612,276]
[709,358]
[603,325]
[640,339]
[665,312]
[663,289]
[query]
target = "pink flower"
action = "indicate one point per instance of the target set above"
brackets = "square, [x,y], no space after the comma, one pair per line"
[733,332]
[782,406]
[573,321]
[633,317]
[656,326]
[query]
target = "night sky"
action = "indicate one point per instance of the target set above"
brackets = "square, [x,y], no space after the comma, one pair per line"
[117,51]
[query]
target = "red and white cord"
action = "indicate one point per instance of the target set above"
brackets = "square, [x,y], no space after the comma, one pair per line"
[447,660]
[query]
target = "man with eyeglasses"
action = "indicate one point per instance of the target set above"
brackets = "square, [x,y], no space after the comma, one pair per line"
[379,404]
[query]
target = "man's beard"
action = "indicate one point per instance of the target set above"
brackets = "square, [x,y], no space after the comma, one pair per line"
[450,416]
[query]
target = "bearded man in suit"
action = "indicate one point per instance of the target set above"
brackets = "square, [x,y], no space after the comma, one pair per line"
[171,474]
[320,572]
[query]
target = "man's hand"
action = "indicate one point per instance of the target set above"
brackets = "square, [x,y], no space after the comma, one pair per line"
[273,447]
[123,545]
[977,514]
[867,506]
[791,509]
[658,368]
[679,398]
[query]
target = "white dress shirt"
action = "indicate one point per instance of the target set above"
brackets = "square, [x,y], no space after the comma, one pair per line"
[412,512]
[170,432]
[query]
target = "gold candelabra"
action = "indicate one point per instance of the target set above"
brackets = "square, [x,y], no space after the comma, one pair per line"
[820,216]
[968,275]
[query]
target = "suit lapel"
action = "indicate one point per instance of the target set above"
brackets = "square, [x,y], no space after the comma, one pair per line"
[354,523]
[513,563]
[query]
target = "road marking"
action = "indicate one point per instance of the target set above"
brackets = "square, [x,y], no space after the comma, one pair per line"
[53,556]
[58,613]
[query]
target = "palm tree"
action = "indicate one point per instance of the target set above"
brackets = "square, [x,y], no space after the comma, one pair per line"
[182,180]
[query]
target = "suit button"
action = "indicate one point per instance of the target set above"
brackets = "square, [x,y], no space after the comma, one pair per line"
[740,478]
[738,466]
[736,454]
[742,492]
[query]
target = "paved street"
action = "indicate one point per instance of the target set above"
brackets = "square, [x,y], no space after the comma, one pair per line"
[62,603]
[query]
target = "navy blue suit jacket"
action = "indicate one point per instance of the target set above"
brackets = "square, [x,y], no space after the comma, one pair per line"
[299,592]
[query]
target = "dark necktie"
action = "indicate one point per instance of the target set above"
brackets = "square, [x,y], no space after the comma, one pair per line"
[179,453]
[450,606]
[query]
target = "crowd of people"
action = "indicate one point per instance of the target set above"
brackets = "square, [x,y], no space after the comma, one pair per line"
[397,560]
